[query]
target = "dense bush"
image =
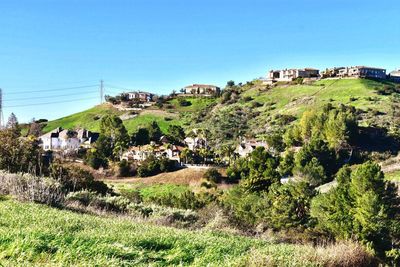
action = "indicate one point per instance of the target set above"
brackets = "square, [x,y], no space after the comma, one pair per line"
[74,178]
[26,187]
[213,175]
[152,166]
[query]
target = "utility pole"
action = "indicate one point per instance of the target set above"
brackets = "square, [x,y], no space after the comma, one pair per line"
[2,124]
[101,92]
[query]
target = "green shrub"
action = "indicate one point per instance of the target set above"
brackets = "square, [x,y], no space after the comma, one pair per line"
[213,175]
[83,197]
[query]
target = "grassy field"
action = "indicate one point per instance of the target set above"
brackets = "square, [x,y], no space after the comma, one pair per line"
[36,235]
[163,120]
[149,191]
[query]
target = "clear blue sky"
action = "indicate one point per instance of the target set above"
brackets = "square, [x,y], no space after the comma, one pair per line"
[161,45]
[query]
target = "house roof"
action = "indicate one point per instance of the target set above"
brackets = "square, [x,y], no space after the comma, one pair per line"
[201,85]
[395,73]
[366,67]
[52,134]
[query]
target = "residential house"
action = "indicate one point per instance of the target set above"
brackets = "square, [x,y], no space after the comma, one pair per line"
[195,143]
[362,72]
[331,72]
[141,153]
[288,75]
[247,146]
[140,96]
[201,89]
[67,140]
[395,76]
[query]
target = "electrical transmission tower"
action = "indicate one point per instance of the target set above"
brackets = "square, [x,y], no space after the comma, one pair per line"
[101,92]
[2,124]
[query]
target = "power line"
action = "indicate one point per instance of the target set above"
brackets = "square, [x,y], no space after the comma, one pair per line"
[54,89]
[50,103]
[44,97]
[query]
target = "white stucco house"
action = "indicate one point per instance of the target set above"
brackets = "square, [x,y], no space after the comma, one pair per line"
[67,140]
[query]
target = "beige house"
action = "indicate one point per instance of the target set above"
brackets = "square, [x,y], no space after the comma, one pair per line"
[141,153]
[201,89]
[288,75]
[248,146]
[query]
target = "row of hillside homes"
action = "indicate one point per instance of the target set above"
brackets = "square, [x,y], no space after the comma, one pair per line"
[66,140]
[246,146]
[201,89]
[140,96]
[164,149]
[288,75]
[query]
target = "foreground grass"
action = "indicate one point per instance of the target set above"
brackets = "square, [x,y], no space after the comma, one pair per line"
[32,234]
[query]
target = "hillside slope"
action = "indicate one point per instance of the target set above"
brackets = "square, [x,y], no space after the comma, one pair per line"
[170,113]
[255,109]
[32,235]
[262,105]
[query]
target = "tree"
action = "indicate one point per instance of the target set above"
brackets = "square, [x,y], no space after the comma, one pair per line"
[12,122]
[35,128]
[112,126]
[323,155]
[230,83]
[263,173]
[286,164]
[287,205]
[141,137]
[314,173]
[176,134]
[228,151]
[154,132]
[363,206]
[213,175]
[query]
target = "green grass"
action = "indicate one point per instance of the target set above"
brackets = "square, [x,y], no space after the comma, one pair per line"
[393,176]
[144,120]
[197,103]
[90,119]
[149,191]
[32,235]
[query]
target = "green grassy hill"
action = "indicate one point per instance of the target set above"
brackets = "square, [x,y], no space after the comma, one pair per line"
[259,99]
[171,113]
[294,99]
[32,235]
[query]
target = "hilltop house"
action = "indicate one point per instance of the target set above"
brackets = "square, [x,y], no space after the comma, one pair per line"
[362,72]
[140,96]
[201,89]
[288,75]
[67,140]
[248,146]
[395,76]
